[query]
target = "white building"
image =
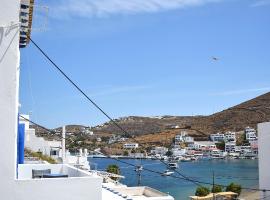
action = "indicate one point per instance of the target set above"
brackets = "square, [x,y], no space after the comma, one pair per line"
[201,145]
[217,137]
[178,151]
[159,150]
[230,147]
[18,181]
[250,134]
[230,136]
[39,144]
[183,137]
[131,146]
[264,158]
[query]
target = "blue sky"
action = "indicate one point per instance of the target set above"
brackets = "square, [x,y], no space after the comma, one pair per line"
[145,57]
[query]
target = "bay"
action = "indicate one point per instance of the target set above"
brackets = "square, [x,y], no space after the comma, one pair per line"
[244,172]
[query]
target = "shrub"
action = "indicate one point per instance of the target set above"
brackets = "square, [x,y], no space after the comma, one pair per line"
[233,187]
[125,153]
[169,153]
[216,189]
[202,191]
[113,169]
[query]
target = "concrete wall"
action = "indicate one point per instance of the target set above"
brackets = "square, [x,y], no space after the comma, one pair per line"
[264,157]
[58,189]
[9,78]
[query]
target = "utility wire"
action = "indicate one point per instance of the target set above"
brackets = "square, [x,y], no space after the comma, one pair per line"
[111,119]
[147,169]
[95,104]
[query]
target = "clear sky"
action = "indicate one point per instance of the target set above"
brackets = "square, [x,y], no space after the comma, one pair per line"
[145,58]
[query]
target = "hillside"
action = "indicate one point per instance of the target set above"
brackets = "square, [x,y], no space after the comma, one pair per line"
[236,118]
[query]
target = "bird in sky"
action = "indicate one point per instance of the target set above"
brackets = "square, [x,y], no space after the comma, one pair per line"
[215,58]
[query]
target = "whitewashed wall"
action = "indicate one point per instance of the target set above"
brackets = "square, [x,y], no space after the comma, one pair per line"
[264,158]
[9,76]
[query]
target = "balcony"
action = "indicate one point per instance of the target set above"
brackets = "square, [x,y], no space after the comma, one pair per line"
[65,182]
[25,171]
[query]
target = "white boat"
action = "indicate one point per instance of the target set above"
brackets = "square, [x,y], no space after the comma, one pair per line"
[138,168]
[167,173]
[173,165]
[186,159]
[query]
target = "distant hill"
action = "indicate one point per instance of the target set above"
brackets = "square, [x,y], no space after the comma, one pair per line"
[249,113]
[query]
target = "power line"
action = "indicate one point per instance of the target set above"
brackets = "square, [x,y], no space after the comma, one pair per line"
[104,113]
[95,104]
[151,170]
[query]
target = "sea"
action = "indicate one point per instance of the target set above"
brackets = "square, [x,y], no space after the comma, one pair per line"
[243,172]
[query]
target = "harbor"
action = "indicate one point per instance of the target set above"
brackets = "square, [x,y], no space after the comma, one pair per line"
[244,172]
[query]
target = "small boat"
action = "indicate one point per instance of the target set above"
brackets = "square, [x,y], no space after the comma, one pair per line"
[186,159]
[138,168]
[194,158]
[173,165]
[167,173]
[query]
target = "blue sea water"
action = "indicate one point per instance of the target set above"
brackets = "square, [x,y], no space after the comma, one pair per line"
[244,172]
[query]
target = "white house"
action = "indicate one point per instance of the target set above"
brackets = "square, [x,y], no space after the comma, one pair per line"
[217,137]
[178,151]
[131,146]
[230,136]
[39,144]
[250,134]
[230,147]
[264,158]
[200,145]
[159,150]
[183,137]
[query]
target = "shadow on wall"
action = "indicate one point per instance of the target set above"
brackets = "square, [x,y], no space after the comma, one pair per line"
[3,33]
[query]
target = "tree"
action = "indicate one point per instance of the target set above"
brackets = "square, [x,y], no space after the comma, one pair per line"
[221,145]
[202,191]
[233,187]
[114,169]
[216,189]
[169,153]
[125,153]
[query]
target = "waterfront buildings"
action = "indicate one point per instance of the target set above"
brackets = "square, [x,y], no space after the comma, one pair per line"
[131,146]
[159,151]
[201,145]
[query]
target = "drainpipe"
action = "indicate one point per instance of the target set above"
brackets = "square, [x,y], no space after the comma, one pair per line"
[64,145]
[20,150]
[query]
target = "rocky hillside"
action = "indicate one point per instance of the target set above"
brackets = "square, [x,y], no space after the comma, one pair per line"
[236,118]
